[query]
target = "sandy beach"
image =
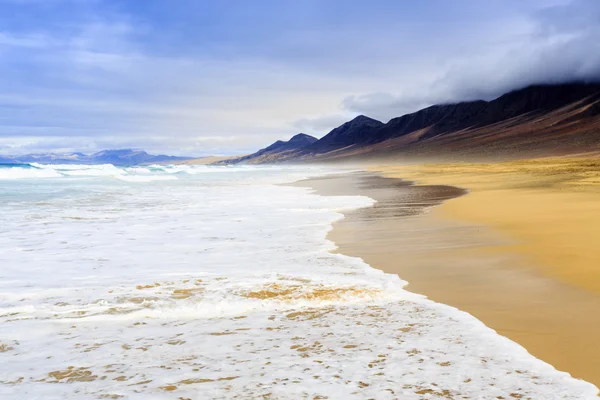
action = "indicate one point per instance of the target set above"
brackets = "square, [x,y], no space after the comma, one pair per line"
[518,251]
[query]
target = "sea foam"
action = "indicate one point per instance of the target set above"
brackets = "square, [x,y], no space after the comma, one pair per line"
[222,284]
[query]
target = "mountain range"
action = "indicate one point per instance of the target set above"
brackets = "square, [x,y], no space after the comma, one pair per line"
[539,120]
[115,157]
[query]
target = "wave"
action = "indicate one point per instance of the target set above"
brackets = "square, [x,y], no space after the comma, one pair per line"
[147,178]
[135,174]
[127,174]
[26,172]
[210,290]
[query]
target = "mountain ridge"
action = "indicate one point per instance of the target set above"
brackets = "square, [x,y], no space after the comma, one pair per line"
[275,151]
[543,119]
[355,131]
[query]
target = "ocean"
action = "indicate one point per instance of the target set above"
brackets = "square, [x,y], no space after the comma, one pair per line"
[200,282]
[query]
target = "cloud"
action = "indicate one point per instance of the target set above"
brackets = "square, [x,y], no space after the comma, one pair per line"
[98,88]
[563,45]
[319,125]
[201,77]
[384,106]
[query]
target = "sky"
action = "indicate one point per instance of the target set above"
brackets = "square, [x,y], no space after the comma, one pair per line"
[204,77]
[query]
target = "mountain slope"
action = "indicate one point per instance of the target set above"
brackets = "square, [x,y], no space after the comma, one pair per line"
[278,151]
[355,132]
[440,119]
[522,124]
[538,120]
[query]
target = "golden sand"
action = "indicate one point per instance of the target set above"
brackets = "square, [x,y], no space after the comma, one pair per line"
[538,281]
[551,207]
[72,374]
[518,252]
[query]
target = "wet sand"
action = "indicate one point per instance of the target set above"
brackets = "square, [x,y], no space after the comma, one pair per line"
[470,263]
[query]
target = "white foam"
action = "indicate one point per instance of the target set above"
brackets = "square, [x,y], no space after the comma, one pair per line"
[14,173]
[131,174]
[220,283]
[138,170]
[83,169]
[145,178]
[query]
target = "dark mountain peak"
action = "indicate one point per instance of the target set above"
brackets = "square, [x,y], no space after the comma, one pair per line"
[296,142]
[303,138]
[356,131]
[364,120]
[278,150]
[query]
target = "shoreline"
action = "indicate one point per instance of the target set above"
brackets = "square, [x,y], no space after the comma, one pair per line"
[465,265]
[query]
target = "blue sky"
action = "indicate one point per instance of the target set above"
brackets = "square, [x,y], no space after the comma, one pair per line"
[200,77]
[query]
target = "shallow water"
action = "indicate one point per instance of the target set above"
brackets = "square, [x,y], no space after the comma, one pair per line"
[215,282]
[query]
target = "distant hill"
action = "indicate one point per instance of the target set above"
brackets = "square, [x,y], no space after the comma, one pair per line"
[277,151]
[539,120]
[128,156]
[115,157]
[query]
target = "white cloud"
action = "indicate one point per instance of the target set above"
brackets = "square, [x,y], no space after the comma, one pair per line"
[94,84]
[321,124]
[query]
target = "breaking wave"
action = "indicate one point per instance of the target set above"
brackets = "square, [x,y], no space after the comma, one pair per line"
[213,282]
